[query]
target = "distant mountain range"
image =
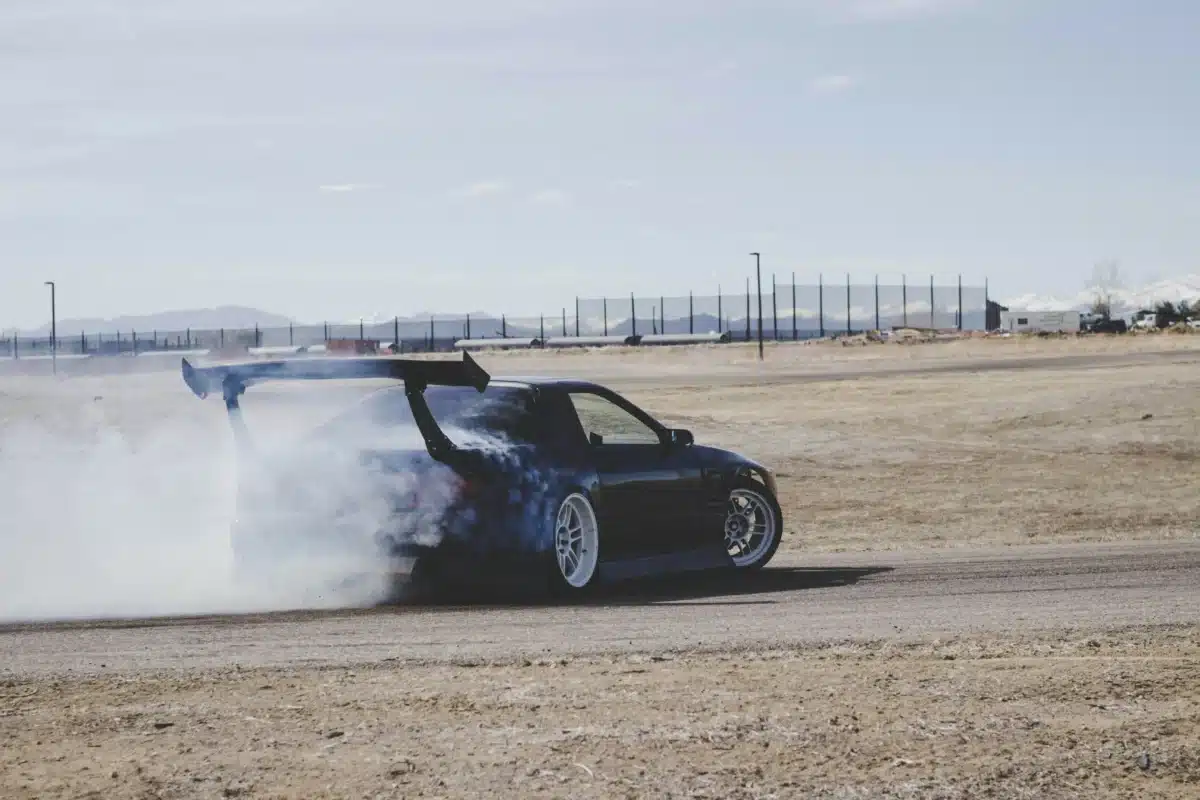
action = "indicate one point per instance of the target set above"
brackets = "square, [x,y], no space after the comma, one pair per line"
[228,317]
[1124,300]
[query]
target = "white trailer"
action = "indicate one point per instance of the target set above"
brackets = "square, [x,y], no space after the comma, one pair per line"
[1040,321]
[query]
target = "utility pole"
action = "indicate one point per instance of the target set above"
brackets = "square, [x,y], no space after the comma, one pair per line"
[53,328]
[758,274]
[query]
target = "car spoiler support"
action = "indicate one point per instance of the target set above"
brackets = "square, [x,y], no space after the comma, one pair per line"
[232,380]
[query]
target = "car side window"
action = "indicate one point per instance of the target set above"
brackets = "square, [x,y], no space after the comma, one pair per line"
[605,422]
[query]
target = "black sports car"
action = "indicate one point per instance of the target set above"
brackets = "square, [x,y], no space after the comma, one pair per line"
[459,471]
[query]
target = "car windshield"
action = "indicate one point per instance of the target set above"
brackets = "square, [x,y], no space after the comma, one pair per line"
[461,412]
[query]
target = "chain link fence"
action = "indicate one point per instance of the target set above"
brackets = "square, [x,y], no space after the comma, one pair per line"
[789,311]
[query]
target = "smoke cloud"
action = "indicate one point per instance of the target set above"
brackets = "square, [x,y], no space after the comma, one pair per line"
[118,495]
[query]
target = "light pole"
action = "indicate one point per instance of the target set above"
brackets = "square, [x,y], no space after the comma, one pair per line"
[53,329]
[758,274]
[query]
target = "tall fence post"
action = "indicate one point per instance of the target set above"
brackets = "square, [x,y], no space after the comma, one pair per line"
[758,282]
[877,303]
[576,318]
[604,303]
[503,326]
[662,314]
[774,309]
[432,334]
[396,329]
[932,306]
[691,314]
[960,308]
[987,305]
[633,312]
[821,302]
[564,322]
[904,297]
[542,327]
[720,313]
[257,336]
[325,326]
[795,332]
[849,325]
[747,309]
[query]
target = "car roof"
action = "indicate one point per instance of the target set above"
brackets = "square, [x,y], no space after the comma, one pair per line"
[535,381]
[543,381]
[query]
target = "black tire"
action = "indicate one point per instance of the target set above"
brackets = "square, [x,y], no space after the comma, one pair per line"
[746,485]
[574,578]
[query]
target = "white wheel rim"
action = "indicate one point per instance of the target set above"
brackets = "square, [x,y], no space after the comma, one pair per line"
[576,540]
[750,527]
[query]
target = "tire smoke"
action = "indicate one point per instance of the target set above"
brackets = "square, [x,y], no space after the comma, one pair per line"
[117,498]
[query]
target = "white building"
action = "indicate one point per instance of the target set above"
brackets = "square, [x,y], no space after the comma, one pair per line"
[1040,321]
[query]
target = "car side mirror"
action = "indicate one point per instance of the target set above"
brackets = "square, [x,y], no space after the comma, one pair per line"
[681,437]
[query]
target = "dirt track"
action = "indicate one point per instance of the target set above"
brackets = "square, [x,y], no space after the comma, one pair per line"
[797,601]
[861,664]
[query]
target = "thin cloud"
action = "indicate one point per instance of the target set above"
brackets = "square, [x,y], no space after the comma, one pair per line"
[899,10]
[345,187]
[482,189]
[831,84]
[726,67]
[551,197]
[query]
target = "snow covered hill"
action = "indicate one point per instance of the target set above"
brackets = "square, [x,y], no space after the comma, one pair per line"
[1124,301]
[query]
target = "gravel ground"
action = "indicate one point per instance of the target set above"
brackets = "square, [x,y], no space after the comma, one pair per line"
[1067,714]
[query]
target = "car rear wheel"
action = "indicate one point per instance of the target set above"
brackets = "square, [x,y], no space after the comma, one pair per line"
[576,543]
[753,525]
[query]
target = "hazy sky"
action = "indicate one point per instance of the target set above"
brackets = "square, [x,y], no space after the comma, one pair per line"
[333,159]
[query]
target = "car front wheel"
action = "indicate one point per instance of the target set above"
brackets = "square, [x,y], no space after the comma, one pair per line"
[576,544]
[753,525]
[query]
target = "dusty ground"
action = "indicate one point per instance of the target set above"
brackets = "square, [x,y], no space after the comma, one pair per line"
[962,459]
[918,666]
[1073,714]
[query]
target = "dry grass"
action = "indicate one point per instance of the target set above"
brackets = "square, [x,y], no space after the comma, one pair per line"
[788,356]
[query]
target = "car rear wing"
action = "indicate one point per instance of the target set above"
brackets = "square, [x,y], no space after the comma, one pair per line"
[232,380]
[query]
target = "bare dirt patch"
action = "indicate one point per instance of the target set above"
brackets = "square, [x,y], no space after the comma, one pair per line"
[1074,714]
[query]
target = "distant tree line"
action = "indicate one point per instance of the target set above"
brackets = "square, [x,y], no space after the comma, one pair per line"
[1167,313]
